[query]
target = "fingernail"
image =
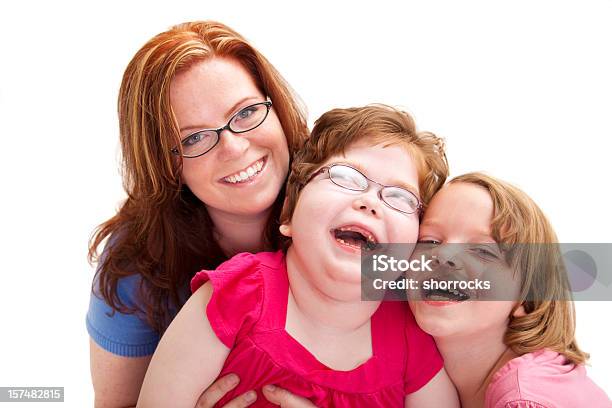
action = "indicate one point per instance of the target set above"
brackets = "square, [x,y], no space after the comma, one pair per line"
[250,396]
[233,379]
[270,388]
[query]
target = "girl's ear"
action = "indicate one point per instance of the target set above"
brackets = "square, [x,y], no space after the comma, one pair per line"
[519,311]
[285,229]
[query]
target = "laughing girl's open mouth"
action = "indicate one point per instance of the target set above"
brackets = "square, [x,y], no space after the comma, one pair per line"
[355,237]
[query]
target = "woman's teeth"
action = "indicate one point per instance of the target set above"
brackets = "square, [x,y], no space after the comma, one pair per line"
[245,174]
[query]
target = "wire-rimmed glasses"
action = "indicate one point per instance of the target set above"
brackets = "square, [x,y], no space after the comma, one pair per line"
[395,197]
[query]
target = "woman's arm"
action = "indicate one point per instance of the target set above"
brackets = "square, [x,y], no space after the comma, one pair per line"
[438,392]
[189,357]
[116,379]
[120,347]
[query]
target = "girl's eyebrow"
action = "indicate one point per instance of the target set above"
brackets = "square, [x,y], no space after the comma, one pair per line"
[485,236]
[430,223]
[478,235]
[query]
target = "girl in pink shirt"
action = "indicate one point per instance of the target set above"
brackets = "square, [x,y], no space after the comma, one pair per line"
[517,352]
[295,318]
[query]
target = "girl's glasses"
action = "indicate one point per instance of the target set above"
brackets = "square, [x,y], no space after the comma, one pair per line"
[352,179]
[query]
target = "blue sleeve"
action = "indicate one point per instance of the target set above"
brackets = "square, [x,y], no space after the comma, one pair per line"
[123,334]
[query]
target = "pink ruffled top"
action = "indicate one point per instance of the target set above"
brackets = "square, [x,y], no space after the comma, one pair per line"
[247,311]
[543,379]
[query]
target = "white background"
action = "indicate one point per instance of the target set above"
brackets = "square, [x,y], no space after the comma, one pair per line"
[521,89]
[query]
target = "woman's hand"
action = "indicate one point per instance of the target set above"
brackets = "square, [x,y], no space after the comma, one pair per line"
[275,395]
[222,386]
[284,398]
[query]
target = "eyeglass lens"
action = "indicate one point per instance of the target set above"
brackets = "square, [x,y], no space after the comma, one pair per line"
[396,197]
[247,119]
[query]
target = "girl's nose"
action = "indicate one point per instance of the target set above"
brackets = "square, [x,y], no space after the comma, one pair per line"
[449,254]
[368,202]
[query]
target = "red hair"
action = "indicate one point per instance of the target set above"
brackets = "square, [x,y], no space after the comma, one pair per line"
[162,231]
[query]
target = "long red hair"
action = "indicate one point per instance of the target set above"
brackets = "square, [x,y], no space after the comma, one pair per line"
[162,231]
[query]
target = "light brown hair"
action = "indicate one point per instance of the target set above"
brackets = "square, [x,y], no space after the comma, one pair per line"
[338,129]
[162,231]
[530,245]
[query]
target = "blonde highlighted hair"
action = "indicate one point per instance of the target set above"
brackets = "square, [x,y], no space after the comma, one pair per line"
[531,248]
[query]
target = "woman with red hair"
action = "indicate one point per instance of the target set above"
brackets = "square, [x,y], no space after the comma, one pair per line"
[207,128]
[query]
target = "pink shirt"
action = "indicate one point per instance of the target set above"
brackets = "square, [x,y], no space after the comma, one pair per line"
[248,310]
[543,379]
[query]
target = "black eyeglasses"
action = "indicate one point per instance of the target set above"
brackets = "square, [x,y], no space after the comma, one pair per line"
[352,179]
[203,141]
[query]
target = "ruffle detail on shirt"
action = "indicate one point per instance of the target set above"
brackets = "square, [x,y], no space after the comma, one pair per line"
[236,303]
[535,359]
[524,404]
[257,368]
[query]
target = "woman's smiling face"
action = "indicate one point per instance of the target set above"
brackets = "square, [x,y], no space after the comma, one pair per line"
[461,213]
[244,172]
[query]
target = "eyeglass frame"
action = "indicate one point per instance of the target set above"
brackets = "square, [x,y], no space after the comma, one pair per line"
[218,131]
[420,207]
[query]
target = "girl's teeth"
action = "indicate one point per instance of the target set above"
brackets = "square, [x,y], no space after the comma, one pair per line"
[370,237]
[436,297]
[250,171]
